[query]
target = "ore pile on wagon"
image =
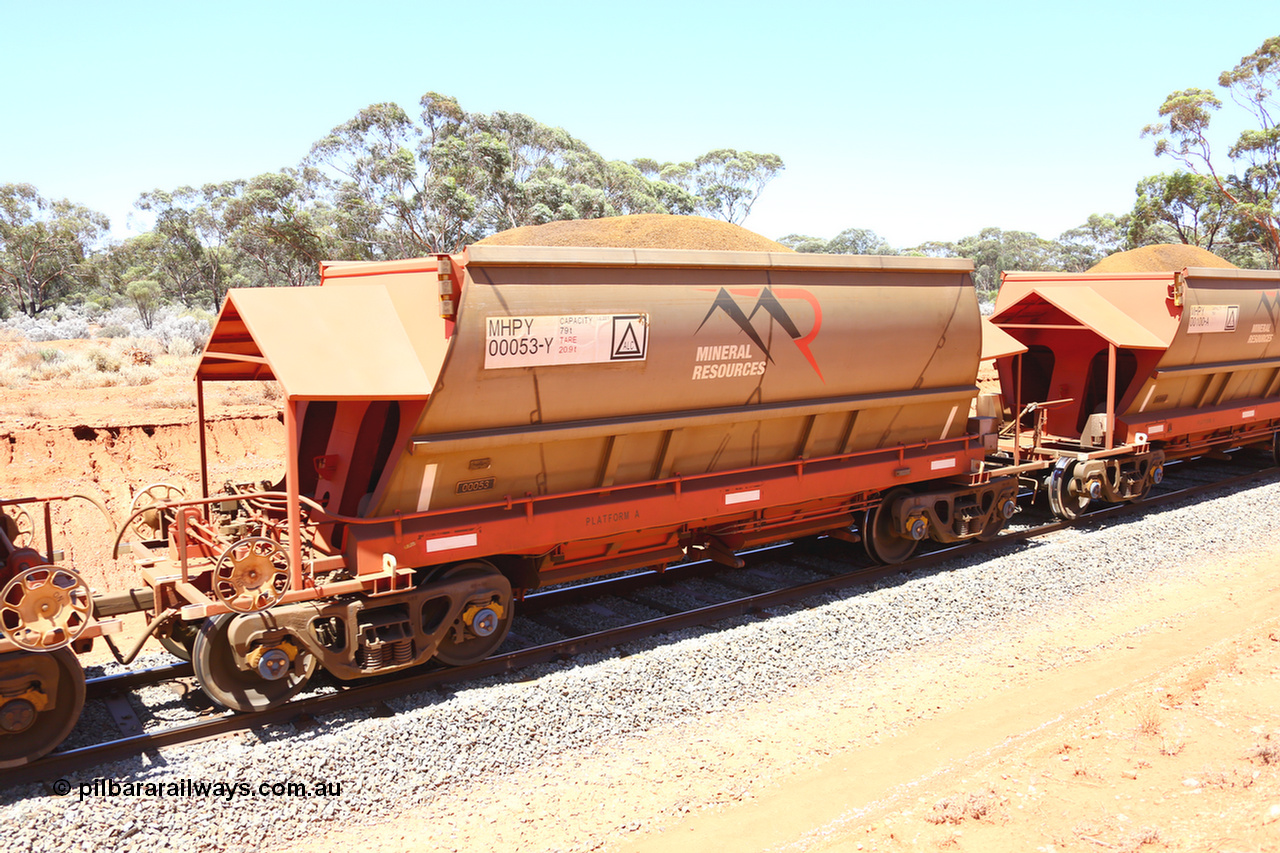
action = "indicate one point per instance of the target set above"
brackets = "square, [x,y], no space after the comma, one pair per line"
[464,428]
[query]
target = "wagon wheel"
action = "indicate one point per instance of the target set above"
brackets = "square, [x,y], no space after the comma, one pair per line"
[1063,503]
[251,575]
[18,527]
[151,524]
[224,682]
[482,625]
[45,608]
[884,544]
[33,723]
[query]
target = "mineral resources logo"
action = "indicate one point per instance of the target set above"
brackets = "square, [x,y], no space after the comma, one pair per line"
[719,362]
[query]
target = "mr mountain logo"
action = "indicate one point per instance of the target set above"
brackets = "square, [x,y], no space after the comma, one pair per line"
[1269,303]
[719,362]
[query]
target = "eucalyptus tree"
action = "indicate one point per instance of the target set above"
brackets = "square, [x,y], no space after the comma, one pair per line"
[805,243]
[276,222]
[183,262]
[1249,180]
[44,246]
[535,173]
[379,195]
[725,182]
[1101,234]
[146,296]
[1182,207]
[630,191]
[268,230]
[850,241]
[402,186]
[994,251]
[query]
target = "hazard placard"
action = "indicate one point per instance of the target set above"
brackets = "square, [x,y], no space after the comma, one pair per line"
[630,335]
[565,339]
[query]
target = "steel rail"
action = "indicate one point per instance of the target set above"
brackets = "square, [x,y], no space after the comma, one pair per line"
[532,604]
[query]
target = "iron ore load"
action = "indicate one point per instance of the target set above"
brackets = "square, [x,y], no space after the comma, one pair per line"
[464,428]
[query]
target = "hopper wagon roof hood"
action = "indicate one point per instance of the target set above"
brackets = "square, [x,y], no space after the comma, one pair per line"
[370,342]
[1045,305]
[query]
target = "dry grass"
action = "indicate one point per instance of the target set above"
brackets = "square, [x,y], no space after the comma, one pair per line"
[1079,769]
[1229,777]
[105,361]
[244,393]
[181,348]
[173,400]
[120,363]
[1149,718]
[1141,837]
[1268,753]
[176,365]
[139,374]
[973,806]
[1100,832]
[103,364]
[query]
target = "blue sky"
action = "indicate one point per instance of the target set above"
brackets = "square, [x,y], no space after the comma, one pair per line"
[922,121]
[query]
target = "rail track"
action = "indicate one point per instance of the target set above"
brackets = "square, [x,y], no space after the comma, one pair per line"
[631,607]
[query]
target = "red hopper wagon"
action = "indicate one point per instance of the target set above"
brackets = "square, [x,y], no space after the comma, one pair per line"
[465,428]
[1123,371]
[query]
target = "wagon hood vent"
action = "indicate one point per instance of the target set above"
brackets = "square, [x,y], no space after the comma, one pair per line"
[376,341]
